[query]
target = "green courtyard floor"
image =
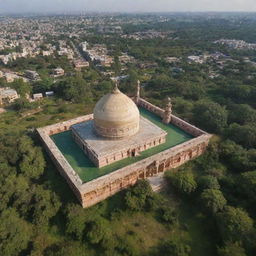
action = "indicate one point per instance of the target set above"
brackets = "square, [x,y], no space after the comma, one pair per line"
[86,169]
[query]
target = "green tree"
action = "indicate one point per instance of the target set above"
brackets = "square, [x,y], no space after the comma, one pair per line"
[183,181]
[75,221]
[233,249]
[241,114]
[15,233]
[210,116]
[69,248]
[234,224]
[235,156]
[22,88]
[173,248]
[136,198]
[97,231]
[208,182]
[44,205]
[75,89]
[32,162]
[213,200]
[244,135]
[247,182]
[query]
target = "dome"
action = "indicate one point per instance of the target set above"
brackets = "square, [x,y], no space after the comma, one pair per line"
[116,116]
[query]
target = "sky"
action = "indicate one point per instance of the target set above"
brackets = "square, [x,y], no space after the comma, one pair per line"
[25,6]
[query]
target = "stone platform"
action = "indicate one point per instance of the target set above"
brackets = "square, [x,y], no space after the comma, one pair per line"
[103,151]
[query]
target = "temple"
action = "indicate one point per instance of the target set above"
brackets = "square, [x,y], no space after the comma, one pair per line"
[123,140]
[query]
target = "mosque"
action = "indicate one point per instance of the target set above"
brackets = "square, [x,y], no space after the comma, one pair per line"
[115,132]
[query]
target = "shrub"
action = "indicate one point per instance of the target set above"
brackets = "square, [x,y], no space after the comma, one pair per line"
[234,224]
[208,182]
[213,200]
[183,181]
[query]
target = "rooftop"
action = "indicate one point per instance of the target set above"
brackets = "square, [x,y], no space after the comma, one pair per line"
[104,146]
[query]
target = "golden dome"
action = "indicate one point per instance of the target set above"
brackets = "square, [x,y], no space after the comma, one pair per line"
[116,116]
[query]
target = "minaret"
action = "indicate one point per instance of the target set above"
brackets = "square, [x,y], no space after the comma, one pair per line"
[137,97]
[167,116]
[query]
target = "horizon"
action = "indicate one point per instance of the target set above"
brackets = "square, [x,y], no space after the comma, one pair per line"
[120,12]
[121,6]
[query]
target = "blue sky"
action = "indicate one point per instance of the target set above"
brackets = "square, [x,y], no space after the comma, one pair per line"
[125,5]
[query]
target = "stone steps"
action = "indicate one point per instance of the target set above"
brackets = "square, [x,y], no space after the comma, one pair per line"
[157,183]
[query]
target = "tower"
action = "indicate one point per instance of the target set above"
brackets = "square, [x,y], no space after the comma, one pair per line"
[168,112]
[137,97]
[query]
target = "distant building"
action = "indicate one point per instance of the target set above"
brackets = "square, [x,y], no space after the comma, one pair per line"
[84,46]
[48,94]
[172,59]
[33,75]
[58,72]
[10,77]
[37,96]
[110,29]
[7,95]
[46,53]
[79,64]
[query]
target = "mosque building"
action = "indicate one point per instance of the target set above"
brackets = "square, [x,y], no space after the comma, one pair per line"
[109,150]
[117,130]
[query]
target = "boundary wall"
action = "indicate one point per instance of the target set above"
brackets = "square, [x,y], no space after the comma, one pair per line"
[92,192]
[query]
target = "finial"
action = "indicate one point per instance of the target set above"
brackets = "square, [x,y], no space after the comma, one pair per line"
[116,90]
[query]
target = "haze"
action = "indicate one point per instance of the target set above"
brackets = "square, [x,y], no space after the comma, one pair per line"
[20,6]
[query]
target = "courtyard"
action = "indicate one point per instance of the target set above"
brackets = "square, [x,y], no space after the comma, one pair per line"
[87,170]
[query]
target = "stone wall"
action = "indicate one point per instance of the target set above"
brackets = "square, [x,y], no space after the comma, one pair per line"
[65,126]
[92,192]
[105,186]
[187,127]
[150,107]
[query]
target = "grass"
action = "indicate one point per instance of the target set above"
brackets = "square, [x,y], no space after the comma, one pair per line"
[87,170]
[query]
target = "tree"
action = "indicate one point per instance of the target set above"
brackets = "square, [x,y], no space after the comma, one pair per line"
[15,233]
[168,214]
[183,181]
[32,162]
[248,184]
[244,135]
[97,230]
[75,221]
[66,249]
[210,116]
[213,200]
[136,197]
[45,205]
[208,182]
[173,248]
[235,156]
[241,114]
[22,88]
[75,89]
[234,224]
[233,249]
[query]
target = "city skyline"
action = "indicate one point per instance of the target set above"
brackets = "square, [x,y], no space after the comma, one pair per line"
[59,6]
